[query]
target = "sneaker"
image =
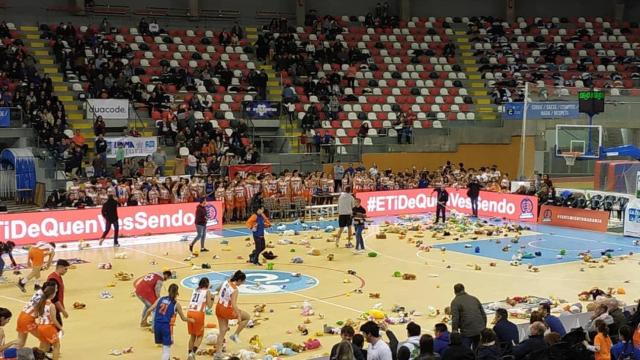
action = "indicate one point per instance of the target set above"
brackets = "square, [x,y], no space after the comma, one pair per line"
[235,338]
[349,245]
[100,242]
[191,356]
[20,286]
[116,245]
[204,250]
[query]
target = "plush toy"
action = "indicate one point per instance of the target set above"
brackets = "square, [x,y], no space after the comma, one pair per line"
[408,276]
[381,236]
[312,344]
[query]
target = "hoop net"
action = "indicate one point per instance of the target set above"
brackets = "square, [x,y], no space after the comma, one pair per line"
[570,157]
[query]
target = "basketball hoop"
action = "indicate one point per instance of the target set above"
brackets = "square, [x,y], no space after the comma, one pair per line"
[570,157]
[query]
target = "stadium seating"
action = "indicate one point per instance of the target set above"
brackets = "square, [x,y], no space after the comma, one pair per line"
[585,51]
[430,86]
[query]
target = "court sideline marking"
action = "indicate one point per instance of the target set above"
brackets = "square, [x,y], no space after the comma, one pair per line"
[284,290]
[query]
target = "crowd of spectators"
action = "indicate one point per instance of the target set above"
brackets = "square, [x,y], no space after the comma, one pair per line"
[107,67]
[23,87]
[301,62]
[472,337]
[510,76]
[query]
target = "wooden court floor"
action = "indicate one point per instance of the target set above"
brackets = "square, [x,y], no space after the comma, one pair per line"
[335,296]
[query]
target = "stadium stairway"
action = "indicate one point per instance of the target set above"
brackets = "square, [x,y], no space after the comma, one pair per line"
[46,65]
[274,92]
[484,108]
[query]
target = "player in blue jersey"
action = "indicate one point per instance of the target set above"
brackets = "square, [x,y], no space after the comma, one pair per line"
[165,309]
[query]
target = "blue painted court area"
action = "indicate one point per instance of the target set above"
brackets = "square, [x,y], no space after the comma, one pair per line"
[278,228]
[549,243]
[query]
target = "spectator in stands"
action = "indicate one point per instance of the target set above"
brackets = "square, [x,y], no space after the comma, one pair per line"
[441,341]
[625,349]
[534,343]
[4,30]
[363,132]
[101,152]
[236,29]
[554,324]
[154,28]
[333,108]
[619,319]
[99,126]
[506,332]
[82,201]
[457,350]
[488,349]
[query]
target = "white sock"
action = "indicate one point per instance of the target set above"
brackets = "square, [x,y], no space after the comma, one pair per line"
[166,352]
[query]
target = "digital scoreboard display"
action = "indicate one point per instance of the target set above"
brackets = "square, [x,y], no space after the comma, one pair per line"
[591,102]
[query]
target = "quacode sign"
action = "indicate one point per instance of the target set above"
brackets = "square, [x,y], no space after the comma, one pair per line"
[490,204]
[87,224]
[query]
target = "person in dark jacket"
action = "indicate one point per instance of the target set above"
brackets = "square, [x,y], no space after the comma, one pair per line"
[506,332]
[110,214]
[488,349]
[457,350]
[619,320]
[441,207]
[467,316]
[201,225]
[346,333]
[473,193]
[534,343]
[6,248]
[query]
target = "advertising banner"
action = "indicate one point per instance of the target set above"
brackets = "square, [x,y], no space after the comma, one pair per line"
[240,170]
[108,108]
[133,146]
[632,218]
[576,218]
[87,224]
[261,109]
[541,110]
[490,204]
[5,117]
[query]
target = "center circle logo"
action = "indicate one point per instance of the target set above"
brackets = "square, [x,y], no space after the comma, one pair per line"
[259,282]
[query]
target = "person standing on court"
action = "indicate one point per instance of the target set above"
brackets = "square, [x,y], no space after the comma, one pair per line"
[467,316]
[110,214]
[338,174]
[62,266]
[201,225]
[441,206]
[473,192]
[257,223]
[346,203]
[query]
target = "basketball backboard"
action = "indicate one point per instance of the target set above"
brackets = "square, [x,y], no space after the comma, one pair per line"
[586,140]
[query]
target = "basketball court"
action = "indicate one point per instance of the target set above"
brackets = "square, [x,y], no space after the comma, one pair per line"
[337,290]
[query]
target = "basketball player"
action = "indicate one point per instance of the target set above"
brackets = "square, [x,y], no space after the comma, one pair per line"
[227,309]
[26,323]
[35,259]
[48,325]
[200,300]
[148,291]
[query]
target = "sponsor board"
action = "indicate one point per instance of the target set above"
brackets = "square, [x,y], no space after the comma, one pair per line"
[133,146]
[398,202]
[632,218]
[259,282]
[88,224]
[108,108]
[541,110]
[575,218]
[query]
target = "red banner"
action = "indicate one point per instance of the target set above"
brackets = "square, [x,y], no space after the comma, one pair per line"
[576,218]
[490,204]
[88,224]
[255,168]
